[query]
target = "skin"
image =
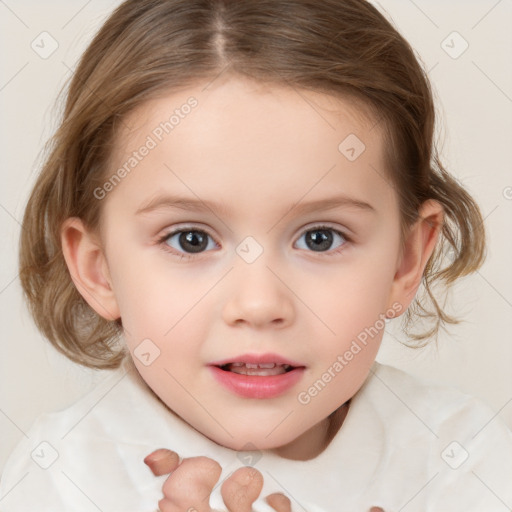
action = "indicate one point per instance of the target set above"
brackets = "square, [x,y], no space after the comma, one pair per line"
[258,151]
[239,491]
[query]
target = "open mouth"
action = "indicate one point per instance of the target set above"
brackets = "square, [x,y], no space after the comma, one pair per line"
[261,369]
[260,376]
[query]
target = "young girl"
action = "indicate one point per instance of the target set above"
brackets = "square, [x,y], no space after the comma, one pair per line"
[240,195]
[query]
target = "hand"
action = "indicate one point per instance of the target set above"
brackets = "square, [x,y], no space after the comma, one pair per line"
[191,482]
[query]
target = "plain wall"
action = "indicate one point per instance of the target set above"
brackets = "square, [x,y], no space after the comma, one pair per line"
[474,99]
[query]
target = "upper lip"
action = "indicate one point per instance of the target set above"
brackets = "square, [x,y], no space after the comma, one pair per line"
[257,359]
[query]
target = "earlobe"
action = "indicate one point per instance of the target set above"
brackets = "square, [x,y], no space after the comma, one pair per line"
[418,246]
[88,267]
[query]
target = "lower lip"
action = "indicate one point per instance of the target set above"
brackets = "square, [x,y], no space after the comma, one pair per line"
[254,386]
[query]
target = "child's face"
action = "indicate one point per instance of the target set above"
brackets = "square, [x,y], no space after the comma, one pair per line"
[255,160]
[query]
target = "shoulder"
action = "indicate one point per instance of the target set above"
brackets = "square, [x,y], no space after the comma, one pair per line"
[463,445]
[73,458]
[403,397]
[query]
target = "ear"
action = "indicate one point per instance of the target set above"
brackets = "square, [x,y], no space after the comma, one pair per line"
[88,267]
[418,246]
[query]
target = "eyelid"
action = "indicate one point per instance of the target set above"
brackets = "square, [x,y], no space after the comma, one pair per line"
[342,230]
[162,239]
[177,228]
[180,229]
[326,227]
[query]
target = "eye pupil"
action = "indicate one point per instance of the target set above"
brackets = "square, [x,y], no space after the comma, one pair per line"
[193,241]
[321,239]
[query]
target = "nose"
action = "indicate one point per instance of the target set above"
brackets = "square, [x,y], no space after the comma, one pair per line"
[258,297]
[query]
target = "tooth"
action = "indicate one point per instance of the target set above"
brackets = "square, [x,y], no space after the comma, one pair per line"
[251,365]
[245,370]
[237,364]
[267,365]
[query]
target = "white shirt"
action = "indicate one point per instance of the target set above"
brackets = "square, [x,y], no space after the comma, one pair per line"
[404,446]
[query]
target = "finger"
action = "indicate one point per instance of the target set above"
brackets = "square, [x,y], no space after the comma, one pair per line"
[190,485]
[279,502]
[242,489]
[162,461]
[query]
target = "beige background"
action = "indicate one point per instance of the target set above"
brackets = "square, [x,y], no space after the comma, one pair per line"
[474,94]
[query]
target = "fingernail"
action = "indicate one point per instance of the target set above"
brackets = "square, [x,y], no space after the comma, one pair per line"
[158,455]
[247,476]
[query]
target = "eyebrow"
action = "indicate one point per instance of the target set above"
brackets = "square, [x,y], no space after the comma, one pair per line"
[164,202]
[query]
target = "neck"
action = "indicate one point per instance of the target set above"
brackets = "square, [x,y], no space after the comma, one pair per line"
[315,440]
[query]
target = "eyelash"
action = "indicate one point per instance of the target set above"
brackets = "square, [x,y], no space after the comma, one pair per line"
[162,241]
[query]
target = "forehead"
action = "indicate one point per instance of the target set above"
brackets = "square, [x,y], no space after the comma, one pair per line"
[245,101]
[245,141]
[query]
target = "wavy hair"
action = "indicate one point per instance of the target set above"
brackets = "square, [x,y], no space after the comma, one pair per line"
[147,48]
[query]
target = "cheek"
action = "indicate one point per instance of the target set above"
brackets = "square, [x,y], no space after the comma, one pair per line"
[154,295]
[351,296]
[167,306]
[352,305]
[346,346]
[164,329]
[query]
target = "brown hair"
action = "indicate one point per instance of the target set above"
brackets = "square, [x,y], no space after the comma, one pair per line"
[148,48]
